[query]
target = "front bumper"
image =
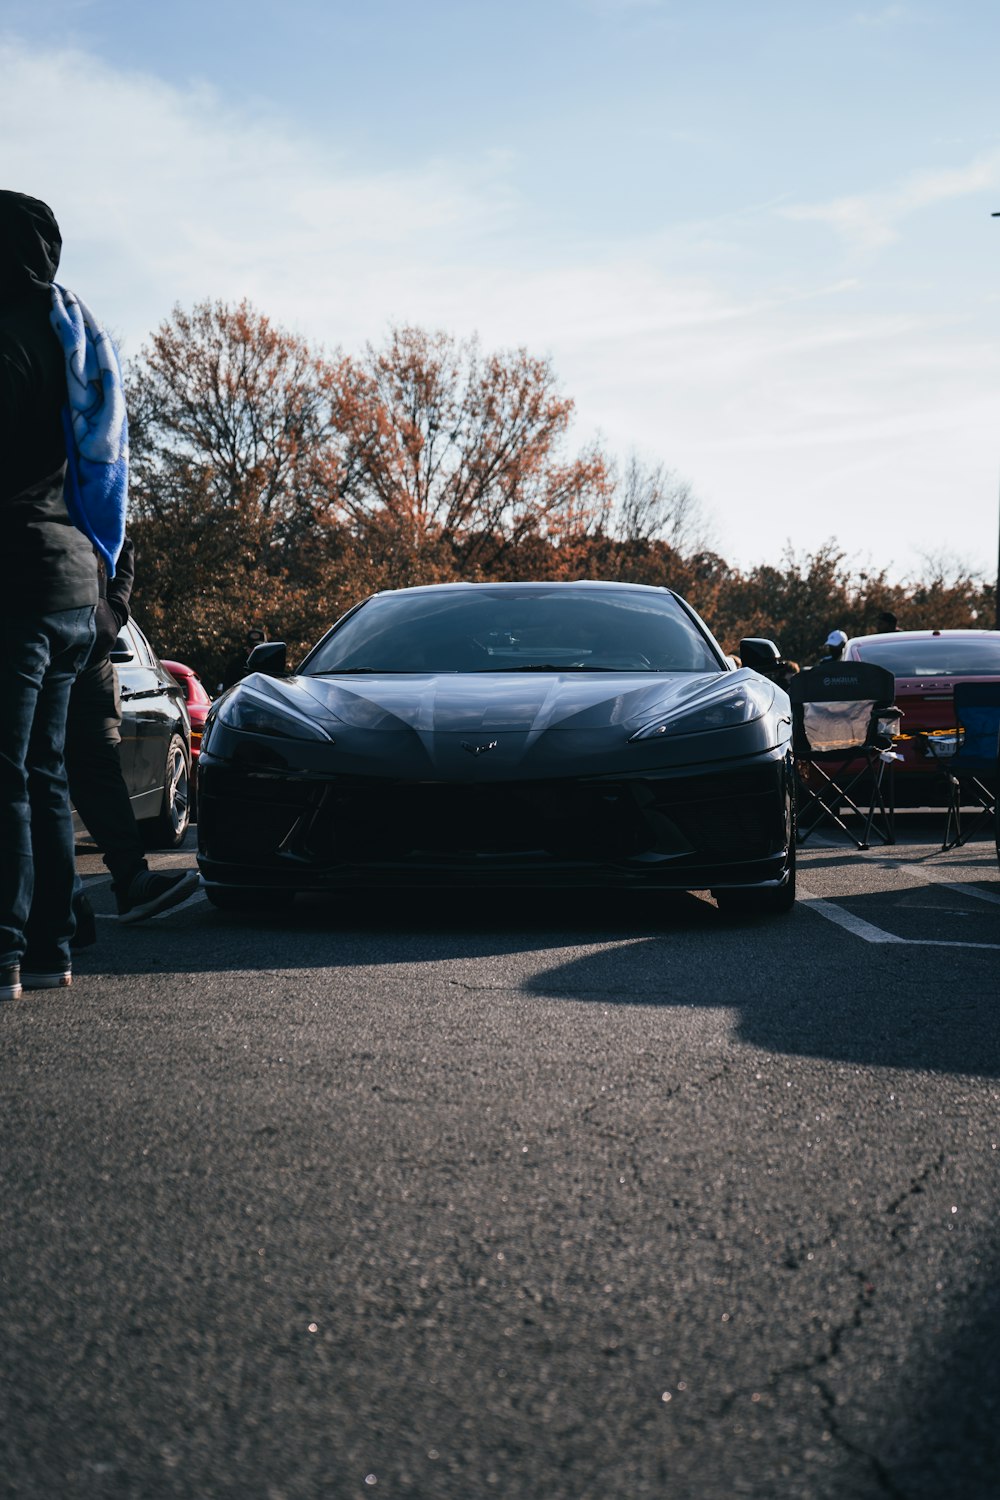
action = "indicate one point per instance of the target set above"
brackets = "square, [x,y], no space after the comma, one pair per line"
[309,832]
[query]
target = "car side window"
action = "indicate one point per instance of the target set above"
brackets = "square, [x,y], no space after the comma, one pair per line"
[140,645]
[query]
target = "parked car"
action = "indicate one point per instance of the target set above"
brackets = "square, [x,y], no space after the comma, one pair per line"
[198,701]
[526,734]
[926,665]
[155,740]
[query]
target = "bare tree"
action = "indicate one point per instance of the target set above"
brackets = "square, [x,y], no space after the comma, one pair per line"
[652,503]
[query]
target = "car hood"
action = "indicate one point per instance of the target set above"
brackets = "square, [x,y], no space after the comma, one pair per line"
[543,724]
[506,702]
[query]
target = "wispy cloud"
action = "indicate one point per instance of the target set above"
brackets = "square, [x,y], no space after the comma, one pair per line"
[794,412]
[869,221]
[167,194]
[613,8]
[885,16]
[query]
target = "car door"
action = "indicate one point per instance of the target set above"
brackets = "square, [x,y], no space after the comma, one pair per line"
[151,708]
[129,669]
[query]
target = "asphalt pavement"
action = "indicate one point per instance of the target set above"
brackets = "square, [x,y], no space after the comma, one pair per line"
[568,1197]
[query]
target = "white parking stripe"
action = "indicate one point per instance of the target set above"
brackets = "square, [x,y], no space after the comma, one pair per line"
[939,876]
[871,933]
[857,925]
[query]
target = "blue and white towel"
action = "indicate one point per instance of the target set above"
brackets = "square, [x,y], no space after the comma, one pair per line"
[96,426]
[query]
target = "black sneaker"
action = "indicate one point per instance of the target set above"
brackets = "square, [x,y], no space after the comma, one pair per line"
[86,926]
[149,892]
[10,982]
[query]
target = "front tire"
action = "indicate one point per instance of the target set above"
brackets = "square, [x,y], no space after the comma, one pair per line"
[167,829]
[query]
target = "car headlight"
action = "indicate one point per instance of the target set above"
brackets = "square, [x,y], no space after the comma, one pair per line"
[256,712]
[737,704]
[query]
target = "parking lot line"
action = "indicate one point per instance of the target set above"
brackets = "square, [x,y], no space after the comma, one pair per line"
[920,873]
[836,914]
[872,934]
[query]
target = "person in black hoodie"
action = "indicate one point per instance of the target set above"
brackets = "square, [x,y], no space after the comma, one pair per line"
[48,592]
[96,784]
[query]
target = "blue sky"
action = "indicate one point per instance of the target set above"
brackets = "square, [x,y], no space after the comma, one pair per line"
[755,239]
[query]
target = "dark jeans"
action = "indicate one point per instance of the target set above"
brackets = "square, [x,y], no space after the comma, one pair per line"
[96,784]
[40,656]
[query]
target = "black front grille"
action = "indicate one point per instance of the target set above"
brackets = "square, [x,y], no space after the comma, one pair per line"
[411,821]
[369,821]
[743,826]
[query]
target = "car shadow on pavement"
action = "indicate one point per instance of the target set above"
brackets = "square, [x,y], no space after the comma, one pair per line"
[807,988]
[393,927]
[797,984]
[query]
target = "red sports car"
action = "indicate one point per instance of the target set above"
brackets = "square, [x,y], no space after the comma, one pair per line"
[198,703]
[926,665]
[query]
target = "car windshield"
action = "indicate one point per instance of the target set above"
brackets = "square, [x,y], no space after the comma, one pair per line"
[937,656]
[541,629]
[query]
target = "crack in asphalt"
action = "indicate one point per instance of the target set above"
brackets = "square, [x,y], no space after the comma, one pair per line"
[865,1293]
[864,1299]
[631,1158]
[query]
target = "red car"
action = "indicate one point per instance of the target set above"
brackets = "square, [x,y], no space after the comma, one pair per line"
[926,665]
[198,703]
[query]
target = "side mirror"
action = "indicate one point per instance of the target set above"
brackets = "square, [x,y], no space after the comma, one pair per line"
[122,650]
[763,656]
[268,657]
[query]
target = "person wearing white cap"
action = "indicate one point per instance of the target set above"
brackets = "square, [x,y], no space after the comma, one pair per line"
[835,643]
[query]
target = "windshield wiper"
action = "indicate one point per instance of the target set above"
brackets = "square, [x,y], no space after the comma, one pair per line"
[470,672]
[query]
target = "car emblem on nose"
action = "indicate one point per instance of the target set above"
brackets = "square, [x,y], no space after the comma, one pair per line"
[479,749]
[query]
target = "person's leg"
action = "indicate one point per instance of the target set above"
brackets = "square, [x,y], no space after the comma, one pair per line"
[85,921]
[23,658]
[96,785]
[47,932]
[99,794]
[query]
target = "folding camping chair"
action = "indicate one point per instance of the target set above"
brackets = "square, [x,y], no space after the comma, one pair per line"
[843,723]
[970,759]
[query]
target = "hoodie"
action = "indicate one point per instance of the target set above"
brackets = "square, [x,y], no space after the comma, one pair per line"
[46,564]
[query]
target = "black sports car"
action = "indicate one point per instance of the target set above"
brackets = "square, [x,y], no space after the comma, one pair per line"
[546,734]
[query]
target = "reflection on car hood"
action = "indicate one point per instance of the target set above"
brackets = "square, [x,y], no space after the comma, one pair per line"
[507,701]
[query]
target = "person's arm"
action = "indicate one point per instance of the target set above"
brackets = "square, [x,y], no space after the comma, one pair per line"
[120,587]
[112,607]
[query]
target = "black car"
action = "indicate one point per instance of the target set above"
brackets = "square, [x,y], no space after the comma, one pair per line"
[155,741]
[539,734]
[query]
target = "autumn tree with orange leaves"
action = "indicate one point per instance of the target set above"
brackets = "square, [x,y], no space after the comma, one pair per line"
[445,450]
[228,425]
[223,401]
[276,486]
[273,486]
